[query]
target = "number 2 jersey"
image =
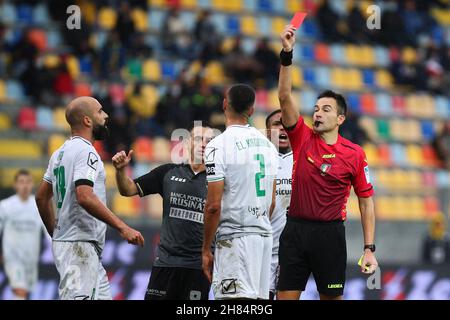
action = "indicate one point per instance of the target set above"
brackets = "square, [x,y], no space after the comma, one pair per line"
[247,162]
[76,163]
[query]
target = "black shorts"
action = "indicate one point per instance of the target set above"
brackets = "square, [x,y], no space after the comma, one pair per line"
[177,284]
[313,247]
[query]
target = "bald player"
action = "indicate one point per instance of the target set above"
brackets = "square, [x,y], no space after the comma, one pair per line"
[75,182]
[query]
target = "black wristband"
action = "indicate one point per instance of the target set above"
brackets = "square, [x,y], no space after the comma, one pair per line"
[286,57]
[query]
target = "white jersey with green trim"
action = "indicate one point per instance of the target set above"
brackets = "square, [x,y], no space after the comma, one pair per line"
[283,196]
[22,228]
[247,162]
[76,162]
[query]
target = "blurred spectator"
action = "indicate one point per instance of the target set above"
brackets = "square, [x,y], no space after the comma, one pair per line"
[436,245]
[329,23]
[393,29]
[268,62]
[125,25]
[63,84]
[175,38]
[441,144]
[357,25]
[239,66]
[112,56]
[206,37]
[352,130]
[412,75]
[434,70]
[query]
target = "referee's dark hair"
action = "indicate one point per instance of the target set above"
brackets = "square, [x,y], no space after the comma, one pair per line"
[241,97]
[340,100]
[21,172]
[270,116]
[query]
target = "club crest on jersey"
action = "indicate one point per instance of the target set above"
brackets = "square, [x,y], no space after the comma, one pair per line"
[325,167]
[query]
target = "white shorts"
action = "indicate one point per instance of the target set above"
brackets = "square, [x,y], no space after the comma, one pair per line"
[82,276]
[20,275]
[242,268]
[274,272]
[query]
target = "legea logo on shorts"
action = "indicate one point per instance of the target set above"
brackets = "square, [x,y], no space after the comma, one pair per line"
[335,286]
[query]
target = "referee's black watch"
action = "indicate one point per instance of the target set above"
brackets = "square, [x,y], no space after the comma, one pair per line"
[371,247]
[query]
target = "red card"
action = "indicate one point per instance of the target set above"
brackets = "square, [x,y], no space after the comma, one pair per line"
[298,18]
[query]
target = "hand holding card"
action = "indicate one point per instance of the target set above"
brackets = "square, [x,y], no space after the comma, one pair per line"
[297,20]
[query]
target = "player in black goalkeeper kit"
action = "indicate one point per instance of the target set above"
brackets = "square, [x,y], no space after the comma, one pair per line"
[177,270]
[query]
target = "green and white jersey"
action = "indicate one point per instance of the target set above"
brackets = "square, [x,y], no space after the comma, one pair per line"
[75,163]
[22,228]
[247,162]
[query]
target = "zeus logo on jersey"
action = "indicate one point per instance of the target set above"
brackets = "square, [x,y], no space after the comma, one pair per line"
[173,178]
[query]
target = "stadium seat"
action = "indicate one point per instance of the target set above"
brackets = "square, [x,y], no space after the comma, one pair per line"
[443,178]
[59,119]
[82,89]
[233,26]
[384,154]
[297,77]
[54,39]
[161,149]
[143,149]
[413,131]
[139,18]
[110,172]
[370,127]
[159,3]
[169,70]
[134,68]
[309,76]
[427,128]
[368,105]
[293,6]
[189,4]
[151,70]
[414,155]
[24,14]
[20,149]
[354,80]
[26,119]
[353,102]
[383,79]
[351,55]
[432,206]
[306,52]
[258,121]
[155,19]
[323,76]
[382,56]
[429,180]
[214,73]
[338,77]
[307,101]
[310,29]
[398,154]
[273,102]
[367,56]
[397,129]
[371,154]
[8,13]
[409,55]
[73,66]
[14,91]
[44,118]
[54,142]
[107,18]
[261,99]
[5,122]
[249,26]
[429,156]
[38,38]
[264,5]
[399,105]
[85,64]
[125,207]
[383,104]
[442,107]
[265,28]
[278,24]
[368,77]
[383,208]
[337,54]
[89,12]
[322,53]
[2,91]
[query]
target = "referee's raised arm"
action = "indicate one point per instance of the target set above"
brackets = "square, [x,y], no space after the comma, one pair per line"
[289,111]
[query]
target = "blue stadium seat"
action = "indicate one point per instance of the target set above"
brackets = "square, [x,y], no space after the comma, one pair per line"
[8,13]
[204,4]
[309,76]
[54,39]
[442,107]
[233,25]
[265,26]
[248,45]
[353,102]
[13,35]
[382,56]
[14,90]
[383,104]
[279,6]
[442,178]
[188,18]
[44,118]
[337,54]
[169,70]
[427,130]
[398,154]
[368,77]
[25,14]
[85,64]
[307,52]
[156,18]
[323,76]
[250,5]
[265,5]
[308,100]
[310,29]
[40,15]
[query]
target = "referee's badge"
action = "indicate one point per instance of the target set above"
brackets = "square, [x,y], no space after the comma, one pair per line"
[325,167]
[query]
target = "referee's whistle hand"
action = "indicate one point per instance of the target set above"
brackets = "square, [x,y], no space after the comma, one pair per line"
[370,261]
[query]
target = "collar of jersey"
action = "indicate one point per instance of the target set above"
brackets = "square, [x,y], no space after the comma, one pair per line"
[239,125]
[87,141]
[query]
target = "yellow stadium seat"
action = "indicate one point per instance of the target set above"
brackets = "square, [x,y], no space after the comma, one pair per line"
[370,126]
[383,208]
[140,20]
[382,178]
[189,4]
[354,80]
[214,73]
[195,67]
[153,206]
[5,122]
[54,142]
[7,175]
[294,6]
[107,18]
[157,3]
[126,207]
[219,5]
[399,179]
[397,129]
[352,54]
[151,70]
[414,155]
[232,5]
[420,105]
[20,149]
[144,104]
[371,154]
[248,26]
[297,77]
[73,66]
[259,121]
[413,130]
[278,24]
[338,77]
[353,207]
[414,209]
[59,119]
[2,91]
[383,79]
[409,55]
[110,176]
[227,44]
[441,15]
[88,11]
[51,61]
[272,100]
[161,149]
[366,56]
[414,180]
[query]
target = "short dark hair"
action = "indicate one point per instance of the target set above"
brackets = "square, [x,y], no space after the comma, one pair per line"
[270,116]
[197,123]
[21,172]
[340,100]
[241,97]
